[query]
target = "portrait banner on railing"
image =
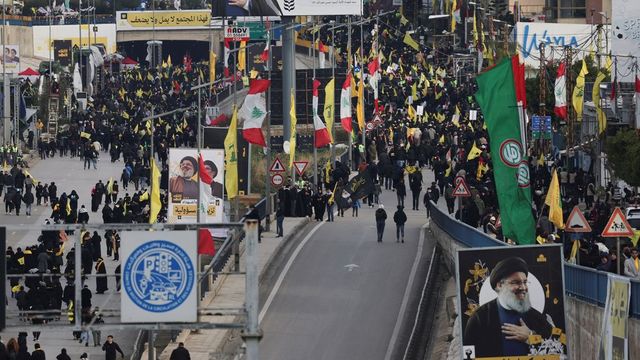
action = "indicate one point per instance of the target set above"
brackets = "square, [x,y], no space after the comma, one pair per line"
[614,343]
[184,170]
[511,301]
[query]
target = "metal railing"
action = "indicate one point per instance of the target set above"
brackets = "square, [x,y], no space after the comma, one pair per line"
[583,283]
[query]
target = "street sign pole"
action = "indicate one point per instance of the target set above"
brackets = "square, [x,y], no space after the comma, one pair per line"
[618,254]
[3,283]
[252,333]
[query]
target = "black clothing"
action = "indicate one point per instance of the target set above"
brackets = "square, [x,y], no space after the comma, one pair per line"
[483,330]
[110,350]
[180,353]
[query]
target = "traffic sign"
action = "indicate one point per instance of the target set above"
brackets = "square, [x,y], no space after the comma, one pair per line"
[576,222]
[617,226]
[457,180]
[277,180]
[300,166]
[461,189]
[277,166]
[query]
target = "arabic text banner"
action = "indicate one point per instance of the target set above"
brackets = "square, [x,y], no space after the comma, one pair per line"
[144,20]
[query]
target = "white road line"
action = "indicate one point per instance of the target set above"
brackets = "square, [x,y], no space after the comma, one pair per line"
[284,272]
[405,299]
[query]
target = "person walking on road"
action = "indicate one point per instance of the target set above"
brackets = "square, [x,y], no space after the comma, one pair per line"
[180,353]
[280,221]
[400,218]
[381,217]
[38,354]
[110,348]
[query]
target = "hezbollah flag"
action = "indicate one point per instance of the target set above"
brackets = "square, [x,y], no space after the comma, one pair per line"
[554,202]
[329,106]
[294,122]
[155,193]
[497,98]
[578,91]
[231,157]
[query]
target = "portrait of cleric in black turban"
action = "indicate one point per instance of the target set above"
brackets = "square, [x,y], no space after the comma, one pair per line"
[512,302]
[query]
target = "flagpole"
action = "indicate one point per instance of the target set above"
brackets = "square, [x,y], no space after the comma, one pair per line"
[364,120]
[267,224]
[199,145]
[333,78]
[315,151]
[348,70]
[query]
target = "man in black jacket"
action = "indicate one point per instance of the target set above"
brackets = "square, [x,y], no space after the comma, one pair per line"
[180,353]
[381,217]
[38,354]
[110,348]
[504,326]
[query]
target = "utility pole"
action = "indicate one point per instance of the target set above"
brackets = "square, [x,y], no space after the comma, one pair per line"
[288,77]
[314,111]
[268,162]
[542,82]
[333,77]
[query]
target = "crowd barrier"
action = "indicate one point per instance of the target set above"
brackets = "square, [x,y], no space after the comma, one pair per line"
[583,283]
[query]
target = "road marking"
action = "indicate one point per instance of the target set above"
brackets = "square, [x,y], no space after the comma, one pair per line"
[350,267]
[405,299]
[284,272]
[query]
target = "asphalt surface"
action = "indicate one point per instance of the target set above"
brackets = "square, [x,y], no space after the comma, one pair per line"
[342,295]
[68,174]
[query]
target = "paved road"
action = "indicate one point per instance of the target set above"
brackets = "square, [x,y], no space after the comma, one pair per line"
[325,311]
[68,174]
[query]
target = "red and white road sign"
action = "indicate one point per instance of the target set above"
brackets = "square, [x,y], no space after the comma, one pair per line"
[300,166]
[617,226]
[277,166]
[277,180]
[576,222]
[461,189]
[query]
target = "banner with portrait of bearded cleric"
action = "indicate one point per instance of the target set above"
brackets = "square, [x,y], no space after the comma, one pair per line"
[184,171]
[511,301]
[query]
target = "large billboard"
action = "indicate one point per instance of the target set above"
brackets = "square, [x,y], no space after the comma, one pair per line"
[159,277]
[105,34]
[183,185]
[511,301]
[529,36]
[626,36]
[10,60]
[286,7]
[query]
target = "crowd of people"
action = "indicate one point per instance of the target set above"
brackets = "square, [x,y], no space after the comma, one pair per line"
[427,126]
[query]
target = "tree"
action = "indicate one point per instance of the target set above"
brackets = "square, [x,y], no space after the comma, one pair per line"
[623,153]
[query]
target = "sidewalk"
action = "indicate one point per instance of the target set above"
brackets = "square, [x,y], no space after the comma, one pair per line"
[230,295]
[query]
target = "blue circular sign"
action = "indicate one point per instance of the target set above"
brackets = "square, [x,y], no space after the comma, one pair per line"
[158,276]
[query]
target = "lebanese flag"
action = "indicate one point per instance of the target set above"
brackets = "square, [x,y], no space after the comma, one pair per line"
[345,105]
[264,56]
[254,111]
[637,98]
[560,91]
[614,95]
[206,245]
[206,197]
[322,137]
[374,66]
[218,120]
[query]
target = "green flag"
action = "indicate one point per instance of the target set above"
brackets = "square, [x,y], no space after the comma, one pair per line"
[497,98]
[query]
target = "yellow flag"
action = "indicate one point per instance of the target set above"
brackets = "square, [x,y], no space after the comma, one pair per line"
[554,202]
[231,157]
[242,56]
[412,113]
[414,92]
[475,30]
[149,77]
[602,118]
[574,251]
[608,64]
[169,60]
[474,152]
[212,67]
[453,18]
[144,196]
[292,138]
[110,186]
[403,20]
[634,238]
[329,106]
[26,173]
[410,42]
[578,91]
[155,193]
[441,141]
[360,105]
